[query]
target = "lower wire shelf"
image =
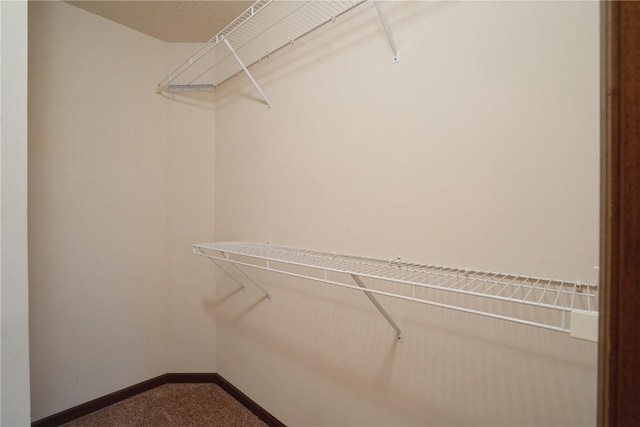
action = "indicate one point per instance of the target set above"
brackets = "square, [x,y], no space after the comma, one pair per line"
[534,301]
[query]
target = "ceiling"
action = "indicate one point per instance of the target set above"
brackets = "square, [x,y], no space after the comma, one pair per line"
[170,21]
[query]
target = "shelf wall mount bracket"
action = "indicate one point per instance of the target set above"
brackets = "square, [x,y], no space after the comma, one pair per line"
[251,280]
[553,304]
[226,257]
[244,68]
[231,276]
[387,30]
[381,309]
[244,273]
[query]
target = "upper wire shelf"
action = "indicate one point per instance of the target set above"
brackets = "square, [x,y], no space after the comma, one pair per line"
[264,28]
[535,301]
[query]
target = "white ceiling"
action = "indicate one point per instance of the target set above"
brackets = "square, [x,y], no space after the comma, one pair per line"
[170,21]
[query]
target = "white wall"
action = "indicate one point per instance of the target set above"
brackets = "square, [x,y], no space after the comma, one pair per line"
[190,206]
[120,186]
[14,286]
[479,149]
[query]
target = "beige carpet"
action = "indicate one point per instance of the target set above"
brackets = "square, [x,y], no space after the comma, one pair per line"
[173,405]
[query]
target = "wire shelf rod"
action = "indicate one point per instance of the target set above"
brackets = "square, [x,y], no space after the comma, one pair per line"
[241,20]
[473,280]
[250,12]
[491,286]
[531,290]
[252,31]
[470,274]
[522,279]
[381,309]
[516,289]
[430,285]
[412,277]
[389,263]
[407,298]
[549,299]
[258,252]
[225,271]
[514,281]
[546,288]
[249,279]
[267,26]
[450,281]
[251,34]
[555,302]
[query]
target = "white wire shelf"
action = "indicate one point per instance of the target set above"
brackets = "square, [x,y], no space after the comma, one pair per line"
[534,301]
[263,29]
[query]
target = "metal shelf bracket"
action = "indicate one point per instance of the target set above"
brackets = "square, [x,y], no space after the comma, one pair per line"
[556,305]
[251,280]
[263,29]
[392,42]
[231,276]
[244,68]
[381,309]
[225,257]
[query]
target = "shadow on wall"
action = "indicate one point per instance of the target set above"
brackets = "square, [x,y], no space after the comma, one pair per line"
[342,39]
[409,315]
[202,100]
[378,390]
[210,306]
[394,375]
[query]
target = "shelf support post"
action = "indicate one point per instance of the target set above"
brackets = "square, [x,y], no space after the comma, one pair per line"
[244,68]
[228,259]
[392,42]
[251,280]
[381,309]
[227,273]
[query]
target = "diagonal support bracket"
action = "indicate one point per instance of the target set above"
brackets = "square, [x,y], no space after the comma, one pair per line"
[392,42]
[381,309]
[230,261]
[224,270]
[228,258]
[251,280]
[244,68]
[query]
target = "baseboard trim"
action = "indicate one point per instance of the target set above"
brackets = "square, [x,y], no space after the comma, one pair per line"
[171,378]
[99,403]
[257,410]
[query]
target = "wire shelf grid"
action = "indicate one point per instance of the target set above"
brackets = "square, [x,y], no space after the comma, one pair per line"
[546,294]
[264,28]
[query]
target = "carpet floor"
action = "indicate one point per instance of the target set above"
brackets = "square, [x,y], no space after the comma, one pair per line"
[173,405]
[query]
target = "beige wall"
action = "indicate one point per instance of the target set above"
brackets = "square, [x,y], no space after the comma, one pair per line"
[120,183]
[479,149]
[14,289]
[190,203]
